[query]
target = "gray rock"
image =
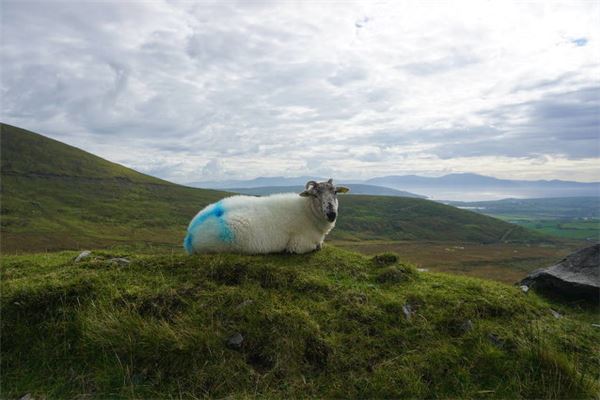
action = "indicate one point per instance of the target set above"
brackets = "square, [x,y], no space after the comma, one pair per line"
[120,261]
[26,397]
[495,339]
[524,288]
[83,255]
[577,276]
[235,341]
[555,314]
[466,326]
[408,311]
[244,304]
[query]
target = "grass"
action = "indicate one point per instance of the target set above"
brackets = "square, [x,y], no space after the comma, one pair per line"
[572,218]
[401,218]
[327,324]
[502,262]
[55,197]
[575,228]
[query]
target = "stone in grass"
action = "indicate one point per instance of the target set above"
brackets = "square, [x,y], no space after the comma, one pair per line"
[407,310]
[555,314]
[26,397]
[83,255]
[235,341]
[466,326]
[495,339]
[119,261]
[524,288]
[244,304]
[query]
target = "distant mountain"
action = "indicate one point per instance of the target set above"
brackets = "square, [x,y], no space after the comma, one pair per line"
[55,196]
[472,187]
[456,187]
[355,188]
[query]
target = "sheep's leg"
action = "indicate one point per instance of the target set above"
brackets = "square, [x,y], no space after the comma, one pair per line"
[300,245]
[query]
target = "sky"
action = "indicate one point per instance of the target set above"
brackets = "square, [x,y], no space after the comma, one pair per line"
[196,91]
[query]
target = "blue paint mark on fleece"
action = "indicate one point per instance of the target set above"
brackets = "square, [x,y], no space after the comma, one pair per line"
[187,244]
[216,211]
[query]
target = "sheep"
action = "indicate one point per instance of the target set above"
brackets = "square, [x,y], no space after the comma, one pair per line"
[257,225]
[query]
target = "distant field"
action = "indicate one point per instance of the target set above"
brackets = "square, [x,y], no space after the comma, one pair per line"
[570,228]
[567,217]
[501,262]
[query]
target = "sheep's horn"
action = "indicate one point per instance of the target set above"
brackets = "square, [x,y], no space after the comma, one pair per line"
[309,183]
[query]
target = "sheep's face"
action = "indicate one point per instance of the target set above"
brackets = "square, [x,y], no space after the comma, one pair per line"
[323,197]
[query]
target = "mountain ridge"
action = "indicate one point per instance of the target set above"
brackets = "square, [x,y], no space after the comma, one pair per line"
[455,187]
[354,189]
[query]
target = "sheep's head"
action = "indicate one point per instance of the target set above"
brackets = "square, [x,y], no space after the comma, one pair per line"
[323,196]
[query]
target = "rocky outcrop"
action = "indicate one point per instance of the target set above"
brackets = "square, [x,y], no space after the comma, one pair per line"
[576,277]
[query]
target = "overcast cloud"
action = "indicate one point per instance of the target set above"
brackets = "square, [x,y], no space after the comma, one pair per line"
[202,91]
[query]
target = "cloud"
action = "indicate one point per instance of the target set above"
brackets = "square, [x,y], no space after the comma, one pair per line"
[241,89]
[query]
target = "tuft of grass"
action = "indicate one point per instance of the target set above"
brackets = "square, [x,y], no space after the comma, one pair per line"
[387,258]
[396,274]
[326,324]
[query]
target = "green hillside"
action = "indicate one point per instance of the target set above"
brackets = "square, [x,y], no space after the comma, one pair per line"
[400,218]
[331,324]
[56,196]
[564,217]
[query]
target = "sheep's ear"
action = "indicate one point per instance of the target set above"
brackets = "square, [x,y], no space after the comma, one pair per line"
[306,193]
[341,189]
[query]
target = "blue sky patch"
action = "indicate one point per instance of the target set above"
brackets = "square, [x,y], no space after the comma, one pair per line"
[580,41]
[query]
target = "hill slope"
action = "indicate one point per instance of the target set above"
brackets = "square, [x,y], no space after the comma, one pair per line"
[331,324]
[400,218]
[55,196]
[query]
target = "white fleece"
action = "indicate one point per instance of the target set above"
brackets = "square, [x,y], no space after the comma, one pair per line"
[246,224]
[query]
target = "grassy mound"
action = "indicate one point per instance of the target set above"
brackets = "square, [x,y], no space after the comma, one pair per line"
[328,324]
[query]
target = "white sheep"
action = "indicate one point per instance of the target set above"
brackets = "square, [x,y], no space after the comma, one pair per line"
[277,223]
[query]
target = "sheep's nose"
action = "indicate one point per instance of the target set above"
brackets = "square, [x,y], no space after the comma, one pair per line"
[331,216]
